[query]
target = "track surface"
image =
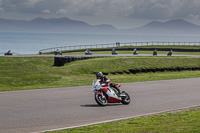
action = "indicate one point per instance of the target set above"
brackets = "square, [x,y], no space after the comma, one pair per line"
[46,109]
[107,55]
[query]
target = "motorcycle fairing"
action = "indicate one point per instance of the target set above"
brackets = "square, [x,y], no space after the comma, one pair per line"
[112,97]
[113,100]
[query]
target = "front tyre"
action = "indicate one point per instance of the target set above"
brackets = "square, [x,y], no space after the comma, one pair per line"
[102,101]
[125,99]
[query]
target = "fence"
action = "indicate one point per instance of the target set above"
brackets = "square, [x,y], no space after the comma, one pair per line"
[117,44]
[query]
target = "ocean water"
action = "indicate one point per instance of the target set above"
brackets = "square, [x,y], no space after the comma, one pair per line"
[32,43]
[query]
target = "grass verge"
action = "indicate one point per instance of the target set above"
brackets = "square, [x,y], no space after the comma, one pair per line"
[182,121]
[23,73]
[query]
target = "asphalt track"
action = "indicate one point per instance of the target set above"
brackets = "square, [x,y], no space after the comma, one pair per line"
[58,108]
[99,55]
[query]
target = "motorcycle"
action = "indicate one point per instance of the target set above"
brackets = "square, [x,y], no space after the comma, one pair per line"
[58,53]
[154,52]
[169,53]
[114,52]
[104,94]
[135,52]
[8,53]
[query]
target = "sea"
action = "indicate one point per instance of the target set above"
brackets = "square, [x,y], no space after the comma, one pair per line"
[32,43]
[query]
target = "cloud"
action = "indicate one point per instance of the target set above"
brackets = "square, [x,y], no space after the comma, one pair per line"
[31,3]
[144,9]
[47,11]
[138,9]
[193,16]
[1,9]
[61,11]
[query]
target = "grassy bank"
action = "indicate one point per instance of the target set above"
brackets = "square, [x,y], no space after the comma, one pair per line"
[22,73]
[182,121]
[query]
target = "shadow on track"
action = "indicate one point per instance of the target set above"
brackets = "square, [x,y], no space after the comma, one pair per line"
[96,105]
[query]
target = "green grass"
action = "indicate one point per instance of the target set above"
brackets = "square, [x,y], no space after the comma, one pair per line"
[23,73]
[110,64]
[182,121]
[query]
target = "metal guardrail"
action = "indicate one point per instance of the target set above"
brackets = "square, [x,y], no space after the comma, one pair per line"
[117,44]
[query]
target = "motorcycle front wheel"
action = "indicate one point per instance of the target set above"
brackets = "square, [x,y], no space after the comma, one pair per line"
[102,101]
[126,99]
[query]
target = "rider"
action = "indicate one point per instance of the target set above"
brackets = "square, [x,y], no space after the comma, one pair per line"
[114,51]
[104,79]
[135,51]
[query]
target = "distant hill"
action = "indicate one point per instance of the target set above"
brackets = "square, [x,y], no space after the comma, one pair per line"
[53,25]
[178,26]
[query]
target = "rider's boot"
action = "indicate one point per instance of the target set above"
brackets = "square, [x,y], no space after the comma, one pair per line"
[118,90]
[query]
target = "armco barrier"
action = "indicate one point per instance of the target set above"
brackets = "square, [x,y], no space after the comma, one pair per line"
[146,70]
[61,60]
[118,45]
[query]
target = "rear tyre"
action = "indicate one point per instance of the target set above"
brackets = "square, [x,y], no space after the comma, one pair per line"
[102,101]
[126,99]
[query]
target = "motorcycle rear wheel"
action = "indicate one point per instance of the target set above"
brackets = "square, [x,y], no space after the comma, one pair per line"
[126,99]
[100,100]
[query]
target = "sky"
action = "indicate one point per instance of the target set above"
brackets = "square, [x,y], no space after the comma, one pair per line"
[120,13]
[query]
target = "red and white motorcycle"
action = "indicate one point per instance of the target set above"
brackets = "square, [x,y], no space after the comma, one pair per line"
[104,94]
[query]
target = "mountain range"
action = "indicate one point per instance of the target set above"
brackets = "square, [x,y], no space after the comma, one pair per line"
[52,25]
[178,26]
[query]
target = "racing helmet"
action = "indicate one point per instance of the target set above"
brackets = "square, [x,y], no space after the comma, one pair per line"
[99,75]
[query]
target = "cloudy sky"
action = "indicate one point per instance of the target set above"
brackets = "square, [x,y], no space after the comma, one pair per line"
[119,13]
